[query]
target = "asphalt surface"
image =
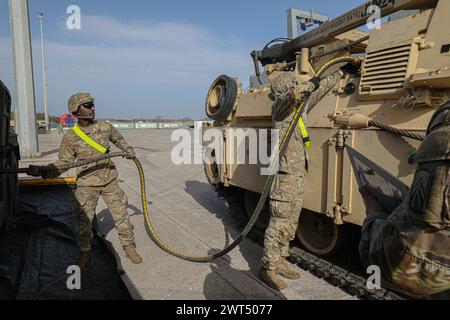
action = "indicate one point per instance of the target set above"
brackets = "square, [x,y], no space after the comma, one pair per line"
[189,217]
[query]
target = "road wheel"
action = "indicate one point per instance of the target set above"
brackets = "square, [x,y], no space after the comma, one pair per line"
[221,98]
[42,130]
[250,202]
[320,235]
[212,169]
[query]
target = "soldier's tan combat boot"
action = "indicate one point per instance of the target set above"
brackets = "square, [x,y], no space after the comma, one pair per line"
[85,260]
[270,278]
[285,271]
[132,254]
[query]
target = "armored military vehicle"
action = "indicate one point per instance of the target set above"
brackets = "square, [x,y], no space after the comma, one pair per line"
[404,77]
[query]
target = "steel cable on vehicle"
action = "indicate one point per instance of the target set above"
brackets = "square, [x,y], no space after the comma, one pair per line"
[393,130]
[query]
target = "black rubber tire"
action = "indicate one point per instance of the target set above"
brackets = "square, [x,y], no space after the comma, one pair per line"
[42,131]
[320,235]
[221,98]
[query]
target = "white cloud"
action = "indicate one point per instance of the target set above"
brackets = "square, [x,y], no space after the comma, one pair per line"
[158,68]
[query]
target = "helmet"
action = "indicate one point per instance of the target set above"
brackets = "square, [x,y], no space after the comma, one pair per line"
[440,118]
[436,146]
[77,100]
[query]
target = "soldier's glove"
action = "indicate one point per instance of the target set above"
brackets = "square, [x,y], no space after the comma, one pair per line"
[130,155]
[350,68]
[38,171]
[278,91]
[33,171]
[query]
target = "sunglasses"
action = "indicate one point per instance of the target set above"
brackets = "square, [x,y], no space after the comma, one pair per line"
[88,105]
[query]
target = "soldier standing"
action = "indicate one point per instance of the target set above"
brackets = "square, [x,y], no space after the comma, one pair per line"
[88,139]
[411,246]
[286,196]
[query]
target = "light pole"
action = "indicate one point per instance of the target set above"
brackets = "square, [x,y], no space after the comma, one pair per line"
[23,78]
[44,71]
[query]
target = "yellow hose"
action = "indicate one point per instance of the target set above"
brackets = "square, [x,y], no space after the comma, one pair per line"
[266,190]
[256,213]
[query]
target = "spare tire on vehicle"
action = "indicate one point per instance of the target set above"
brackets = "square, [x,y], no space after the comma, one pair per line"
[221,98]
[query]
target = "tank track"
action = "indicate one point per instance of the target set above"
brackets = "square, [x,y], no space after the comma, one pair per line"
[333,274]
[339,277]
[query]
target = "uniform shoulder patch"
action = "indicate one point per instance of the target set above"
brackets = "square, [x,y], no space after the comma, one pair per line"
[420,190]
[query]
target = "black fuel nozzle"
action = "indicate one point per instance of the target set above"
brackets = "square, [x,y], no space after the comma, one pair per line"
[316,82]
[351,68]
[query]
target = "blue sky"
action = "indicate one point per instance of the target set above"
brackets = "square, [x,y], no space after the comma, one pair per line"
[142,59]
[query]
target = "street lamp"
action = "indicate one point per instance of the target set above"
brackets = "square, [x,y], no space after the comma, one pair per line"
[44,73]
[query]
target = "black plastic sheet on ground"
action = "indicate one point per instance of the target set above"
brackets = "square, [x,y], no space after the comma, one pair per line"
[34,258]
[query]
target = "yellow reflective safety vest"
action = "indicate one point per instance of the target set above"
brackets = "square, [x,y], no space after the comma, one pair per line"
[305,135]
[89,141]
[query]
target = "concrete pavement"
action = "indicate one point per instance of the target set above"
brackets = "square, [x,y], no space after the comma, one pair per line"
[189,217]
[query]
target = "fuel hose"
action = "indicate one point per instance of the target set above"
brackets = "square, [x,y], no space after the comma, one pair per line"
[267,186]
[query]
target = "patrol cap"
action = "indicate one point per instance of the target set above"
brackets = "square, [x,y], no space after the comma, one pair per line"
[77,100]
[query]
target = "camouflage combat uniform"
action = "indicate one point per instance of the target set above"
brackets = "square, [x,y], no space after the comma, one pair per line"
[95,180]
[286,195]
[412,245]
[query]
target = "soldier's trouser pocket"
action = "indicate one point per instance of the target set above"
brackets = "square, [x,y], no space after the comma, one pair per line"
[87,199]
[117,203]
[286,196]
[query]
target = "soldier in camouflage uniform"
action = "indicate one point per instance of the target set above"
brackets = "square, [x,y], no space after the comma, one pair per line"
[411,246]
[286,196]
[96,179]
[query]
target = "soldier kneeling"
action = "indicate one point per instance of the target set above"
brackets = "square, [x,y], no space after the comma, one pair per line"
[412,245]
